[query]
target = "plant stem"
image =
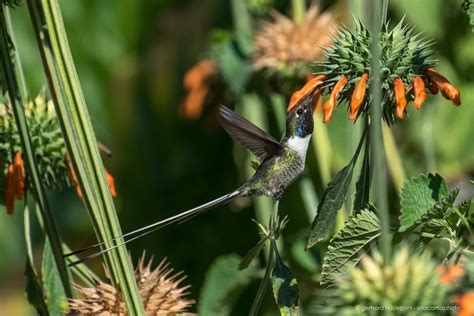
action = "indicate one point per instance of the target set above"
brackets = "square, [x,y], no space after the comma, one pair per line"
[376,138]
[393,155]
[18,66]
[32,167]
[241,17]
[80,140]
[299,9]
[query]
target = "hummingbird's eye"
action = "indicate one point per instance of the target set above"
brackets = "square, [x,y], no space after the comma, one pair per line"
[299,111]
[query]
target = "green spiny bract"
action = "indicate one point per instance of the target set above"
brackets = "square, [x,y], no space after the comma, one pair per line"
[404,54]
[407,281]
[46,138]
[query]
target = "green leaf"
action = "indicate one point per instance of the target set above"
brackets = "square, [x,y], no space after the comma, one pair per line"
[331,202]
[53,289]
[333,199]
[285,287]
[252,253]
[223,285]
[34,292]
[359,233]
[361,199]
[418,195]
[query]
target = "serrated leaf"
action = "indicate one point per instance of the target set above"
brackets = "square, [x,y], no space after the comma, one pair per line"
[223,285]
[331,202]
[285,287]
[419,195]
[53,290]
[359,233]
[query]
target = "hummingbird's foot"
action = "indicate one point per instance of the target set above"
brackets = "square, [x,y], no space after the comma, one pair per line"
[278,194]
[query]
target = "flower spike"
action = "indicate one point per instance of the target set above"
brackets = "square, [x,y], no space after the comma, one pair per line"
[358,96]
[400,97]
[406,64]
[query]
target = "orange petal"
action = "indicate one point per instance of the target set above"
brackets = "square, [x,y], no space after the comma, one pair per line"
[466,304]
[331,102]
[328,108]
[431,86]
[9,188]
[317,101]
[72,177]
[448,91]
[19,176]
[358,96]
[419,91]
[306,90]
[110,182]
[400,98]
[450,274]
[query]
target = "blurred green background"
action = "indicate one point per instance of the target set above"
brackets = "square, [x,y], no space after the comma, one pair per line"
[131,57]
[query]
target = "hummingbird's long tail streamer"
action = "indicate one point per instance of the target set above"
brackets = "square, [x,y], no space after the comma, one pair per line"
[155,226]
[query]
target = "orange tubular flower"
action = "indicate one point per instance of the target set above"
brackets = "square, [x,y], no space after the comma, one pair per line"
[450,274]
[466,304]
[358,96]
[331,102]
[19,176]
[431,86]
[72,176]
[197,83]
[110,182]
[400,97]
[448,91]
[14,182]
[307,89]
[75,183]
[419,90]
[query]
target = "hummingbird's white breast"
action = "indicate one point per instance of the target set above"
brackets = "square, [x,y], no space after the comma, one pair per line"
[300,145]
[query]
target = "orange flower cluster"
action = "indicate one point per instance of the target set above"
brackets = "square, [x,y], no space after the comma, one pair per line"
[197,82]
[431,81]
[450,274]
[75,182]
[466,304]
[14,182]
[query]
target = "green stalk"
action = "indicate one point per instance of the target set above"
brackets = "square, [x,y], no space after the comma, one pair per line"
[376,139]
[395,167]
[242,20]
[80,140]
[32,167]
[253,109]
[299,10]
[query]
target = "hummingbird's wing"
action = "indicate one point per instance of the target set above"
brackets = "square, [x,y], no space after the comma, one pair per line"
[247,134]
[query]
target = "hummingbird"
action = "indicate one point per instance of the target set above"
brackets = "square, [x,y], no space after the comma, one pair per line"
[280,162]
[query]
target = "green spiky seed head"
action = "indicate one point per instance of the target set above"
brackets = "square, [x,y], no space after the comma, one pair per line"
[404,54]
[46,138]
[406,281]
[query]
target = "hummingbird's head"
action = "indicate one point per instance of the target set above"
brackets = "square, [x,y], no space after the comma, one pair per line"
[300,122]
